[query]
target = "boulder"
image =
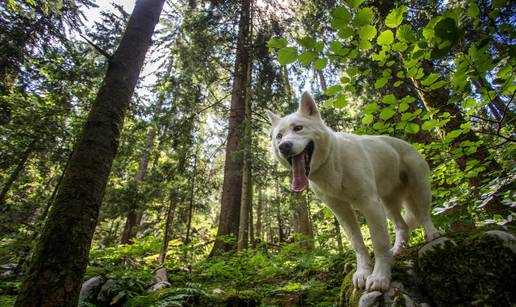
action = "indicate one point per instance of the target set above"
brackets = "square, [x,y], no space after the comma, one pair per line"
[90,289]
[463,269]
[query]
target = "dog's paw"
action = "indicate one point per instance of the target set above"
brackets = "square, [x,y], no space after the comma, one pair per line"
[360,277]
[398,247]
[376,282]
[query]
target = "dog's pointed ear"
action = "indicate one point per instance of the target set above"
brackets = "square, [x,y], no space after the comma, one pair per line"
[307,106]
[273,117]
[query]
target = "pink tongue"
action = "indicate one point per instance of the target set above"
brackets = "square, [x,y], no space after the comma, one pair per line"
[299,179]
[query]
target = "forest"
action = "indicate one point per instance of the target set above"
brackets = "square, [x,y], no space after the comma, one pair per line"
[136,165]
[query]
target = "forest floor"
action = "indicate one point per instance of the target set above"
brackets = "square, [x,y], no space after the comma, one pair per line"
[293,276]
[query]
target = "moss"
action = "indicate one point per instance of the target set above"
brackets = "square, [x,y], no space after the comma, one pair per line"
[232,297]
[7,300]
[349,297]
[93,271]
[476,270]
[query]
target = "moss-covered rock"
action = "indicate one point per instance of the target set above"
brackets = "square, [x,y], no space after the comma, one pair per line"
[469,269]
[349,296]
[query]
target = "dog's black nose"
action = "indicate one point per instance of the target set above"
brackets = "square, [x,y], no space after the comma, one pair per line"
[285,148]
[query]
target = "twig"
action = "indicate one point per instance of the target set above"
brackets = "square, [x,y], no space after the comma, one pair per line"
[99,50]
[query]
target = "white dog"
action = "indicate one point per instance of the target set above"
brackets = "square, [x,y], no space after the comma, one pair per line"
[373,174]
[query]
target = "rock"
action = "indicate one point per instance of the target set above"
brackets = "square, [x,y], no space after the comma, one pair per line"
[369,299]
[217,291]
[105,293]
[161,275]
[509,240]
[161,280]
[432,245]
[159,285]
[477,269]
[90,289]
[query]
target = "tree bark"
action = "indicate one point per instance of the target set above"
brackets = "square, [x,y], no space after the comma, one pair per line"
[190,205]
[243,231]
[232,185]
[439,100]
[259,214]
[301,220]
[61,255]
[338,234]
[134,215]
[16,172]
[167,231]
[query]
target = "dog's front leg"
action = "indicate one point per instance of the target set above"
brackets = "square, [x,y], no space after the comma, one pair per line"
[376,220]
[347,219]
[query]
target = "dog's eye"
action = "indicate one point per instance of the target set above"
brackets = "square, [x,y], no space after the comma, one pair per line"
[279,136]
[298,128]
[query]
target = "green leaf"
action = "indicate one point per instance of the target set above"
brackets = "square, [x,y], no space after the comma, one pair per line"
[307,42]
[341,17]
[305,58]
[320,63]
[412,128]
[287,55]
[345,32]
[403,107]
[341,101]
[332,90]
[399,46]
[387,113]
[473,10]
[380,83]
[371,108]
[437,85]
[430,79]
[450,136]
[364,44]
[395,17]
[429,124]
[344,80]
[363,17]
[379,125]
[405,34]
[389,99]
[328,103]
[469,103]
[367,32]
[367,119]
[277,43]
[319,46]
[385,38]
[446,29]
[354,3]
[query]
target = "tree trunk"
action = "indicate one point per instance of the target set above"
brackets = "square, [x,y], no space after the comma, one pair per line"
[190,205]
[61,255]
[243,228]
[301,220]
[16,172]
[232,186]
[338,234]
[259,213]
[134,215]
[167,231]
[439,100]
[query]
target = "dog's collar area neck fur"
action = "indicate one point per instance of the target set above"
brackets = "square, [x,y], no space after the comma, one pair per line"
[301,168]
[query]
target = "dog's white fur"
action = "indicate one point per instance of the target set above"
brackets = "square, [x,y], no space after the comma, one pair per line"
[377,175]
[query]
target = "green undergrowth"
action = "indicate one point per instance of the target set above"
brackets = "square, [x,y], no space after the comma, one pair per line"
[286,277]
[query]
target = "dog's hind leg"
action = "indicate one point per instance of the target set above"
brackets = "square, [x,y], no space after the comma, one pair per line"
[418,197]
[393,208]
[348,221]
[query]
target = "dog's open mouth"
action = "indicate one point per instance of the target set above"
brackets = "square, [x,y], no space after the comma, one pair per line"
[301,168]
